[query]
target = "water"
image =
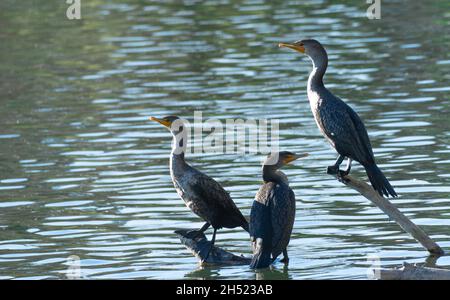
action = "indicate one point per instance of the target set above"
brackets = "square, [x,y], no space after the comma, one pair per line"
[84,173]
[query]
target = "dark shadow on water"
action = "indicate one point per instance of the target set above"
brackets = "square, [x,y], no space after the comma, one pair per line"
[278,271]
[203,273]
[275,272]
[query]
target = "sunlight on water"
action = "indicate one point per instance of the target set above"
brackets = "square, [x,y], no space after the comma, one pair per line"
[84,173]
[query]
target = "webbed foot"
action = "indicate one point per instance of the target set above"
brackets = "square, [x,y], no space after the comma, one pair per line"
[333,170]
[285,260]
[341,176]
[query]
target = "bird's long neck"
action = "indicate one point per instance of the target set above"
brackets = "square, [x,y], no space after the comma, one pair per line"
[320,64]
[272,174]
[179,142]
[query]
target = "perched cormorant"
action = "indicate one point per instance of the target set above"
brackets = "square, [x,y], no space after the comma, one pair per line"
[338,122]
[273,212]
[202,194]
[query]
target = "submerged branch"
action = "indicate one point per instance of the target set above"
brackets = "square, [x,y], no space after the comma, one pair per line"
[412,272]
[200,247]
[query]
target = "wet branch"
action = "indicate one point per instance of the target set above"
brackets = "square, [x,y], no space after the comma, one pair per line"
[200,246]
[412,272]
[388,208]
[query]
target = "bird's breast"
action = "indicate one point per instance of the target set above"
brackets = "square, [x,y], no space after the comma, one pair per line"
[317,108]
[182,183]
[315,101]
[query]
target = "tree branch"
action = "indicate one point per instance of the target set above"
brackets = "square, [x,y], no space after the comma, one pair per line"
[412,272]
[388,208]
[200,247]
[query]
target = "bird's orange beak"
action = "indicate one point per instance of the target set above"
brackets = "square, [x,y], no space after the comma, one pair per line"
[291,158]
[299,48]
[161,121]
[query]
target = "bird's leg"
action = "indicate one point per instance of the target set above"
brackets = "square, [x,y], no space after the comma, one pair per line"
[334,169]
[193,234]
[341,174]
[204,227]
[285,259]
[212,244]
[348,168]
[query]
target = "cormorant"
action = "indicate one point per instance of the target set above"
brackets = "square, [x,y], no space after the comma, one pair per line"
[273,212]
[338,122]
[202,194]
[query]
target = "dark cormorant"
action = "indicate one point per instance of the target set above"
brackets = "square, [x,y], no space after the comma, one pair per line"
[202,194]
[273,212]
[338,122]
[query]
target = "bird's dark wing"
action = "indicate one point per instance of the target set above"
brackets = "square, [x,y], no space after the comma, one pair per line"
[260,212]
[282,200]
[260,225]
[361,129]
[261,228]
[343,127]
[218,201]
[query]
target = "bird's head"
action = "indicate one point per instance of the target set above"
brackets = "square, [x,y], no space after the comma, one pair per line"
[279,159]
[310,47]
[173,123]
[176,127]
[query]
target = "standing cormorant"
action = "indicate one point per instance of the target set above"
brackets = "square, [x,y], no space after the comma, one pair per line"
[338,122]
[202,194]
[273,212]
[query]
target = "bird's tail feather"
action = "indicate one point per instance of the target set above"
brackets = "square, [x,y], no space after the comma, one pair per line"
[379,181]
[261,256]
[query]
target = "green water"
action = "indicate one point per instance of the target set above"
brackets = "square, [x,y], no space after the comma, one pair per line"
[82,171]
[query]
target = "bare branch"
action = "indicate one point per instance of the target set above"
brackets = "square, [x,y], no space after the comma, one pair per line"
[200,247]
[388,208]
[413,272]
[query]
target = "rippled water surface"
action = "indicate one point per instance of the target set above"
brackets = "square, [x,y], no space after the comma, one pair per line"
[82,171]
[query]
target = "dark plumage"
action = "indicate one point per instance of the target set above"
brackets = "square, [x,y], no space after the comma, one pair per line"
[338,122]
[202,194]
[273,213]
[211,202]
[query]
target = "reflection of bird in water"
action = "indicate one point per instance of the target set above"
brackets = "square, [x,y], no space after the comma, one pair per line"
[273,274]
[338,122]
[273,212]
[202,194]
[204,273]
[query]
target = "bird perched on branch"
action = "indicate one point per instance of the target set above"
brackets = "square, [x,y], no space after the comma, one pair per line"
[202,194]
[338,122]
[273,212]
